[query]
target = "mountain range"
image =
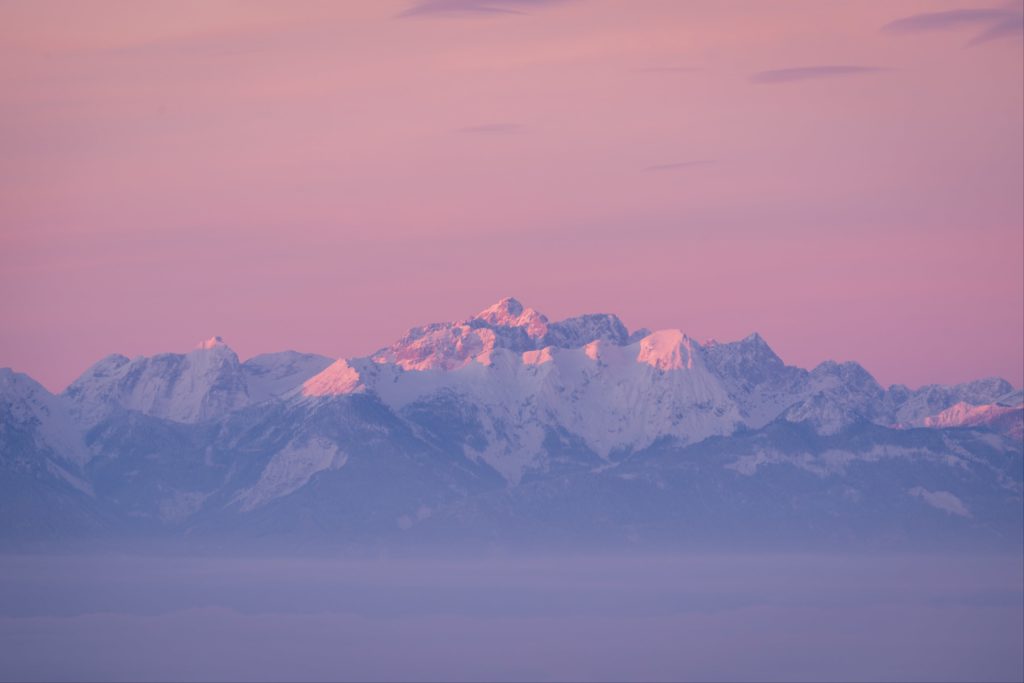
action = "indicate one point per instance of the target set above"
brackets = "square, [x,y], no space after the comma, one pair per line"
[508,428]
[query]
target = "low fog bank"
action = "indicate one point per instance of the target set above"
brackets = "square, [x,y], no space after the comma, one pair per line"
[705,617]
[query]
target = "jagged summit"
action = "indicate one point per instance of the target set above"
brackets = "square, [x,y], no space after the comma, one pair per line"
[510,313]
[571,332]
[505,325]
[504,312]
[211,343]
[753,342]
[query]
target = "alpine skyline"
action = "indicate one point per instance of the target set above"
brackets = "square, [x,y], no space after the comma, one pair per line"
[843,179]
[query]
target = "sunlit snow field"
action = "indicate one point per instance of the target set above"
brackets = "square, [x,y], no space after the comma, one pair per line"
[780,617]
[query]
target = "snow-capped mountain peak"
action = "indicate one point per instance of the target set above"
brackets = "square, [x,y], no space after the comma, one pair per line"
[505,325]
[510,313]
[203,384]
[668,350]
[206,383]
[337,379]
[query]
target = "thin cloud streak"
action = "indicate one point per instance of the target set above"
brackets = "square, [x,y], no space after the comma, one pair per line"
[1012,27]
[443,8]
[666,70]
[997,23]
[942,21]
[805,73]
[677,165]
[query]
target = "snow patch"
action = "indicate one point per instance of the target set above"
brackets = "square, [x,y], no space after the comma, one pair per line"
[75,482]
[290,469]
[181,505]
[835,461]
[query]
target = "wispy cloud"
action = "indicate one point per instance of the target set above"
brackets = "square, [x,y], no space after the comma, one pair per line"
[441,8]
[492,128]
[803,73]
[940,21]
[995,23]
[1011,27]
[665,70]
[677,165]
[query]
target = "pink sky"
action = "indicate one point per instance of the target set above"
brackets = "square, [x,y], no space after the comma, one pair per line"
[322,176]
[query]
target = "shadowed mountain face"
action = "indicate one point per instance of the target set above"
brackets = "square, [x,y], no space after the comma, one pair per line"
[507,428]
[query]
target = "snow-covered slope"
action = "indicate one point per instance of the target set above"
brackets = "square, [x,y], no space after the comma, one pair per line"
[520,379]
[274,374]
[612,397]
[524,378]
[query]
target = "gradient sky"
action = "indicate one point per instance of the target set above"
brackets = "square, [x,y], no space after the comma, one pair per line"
[844,178]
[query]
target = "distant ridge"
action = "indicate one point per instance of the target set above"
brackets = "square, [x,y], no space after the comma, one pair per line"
[457,426]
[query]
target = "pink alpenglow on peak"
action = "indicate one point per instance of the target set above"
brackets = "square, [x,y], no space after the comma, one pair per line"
[339,378]
[211,343]
[505,325]
[964,414]
[667,350]
[1004,418]
[510,313]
